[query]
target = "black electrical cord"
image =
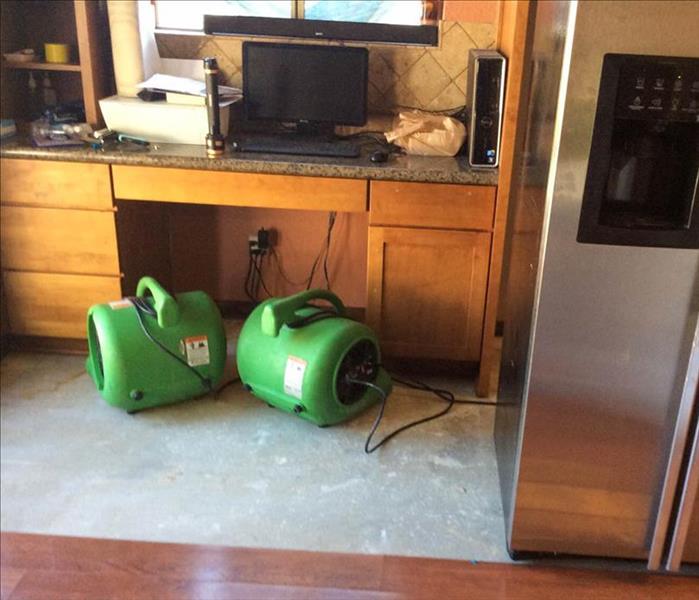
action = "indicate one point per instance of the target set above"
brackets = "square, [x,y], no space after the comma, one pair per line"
[378,138]
[368,449]
[254,278]
[445,395]
[316,316]
[248,282]
[331,223]
[322,256]
[257,264]
[247,278]
[225,385]
[324,250]
[359,134]
[453,109]
[255,287]
[142,307]
[282,272]
[309,281]
[367,137]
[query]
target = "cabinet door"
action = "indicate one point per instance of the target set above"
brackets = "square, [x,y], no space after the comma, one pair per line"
[427,291]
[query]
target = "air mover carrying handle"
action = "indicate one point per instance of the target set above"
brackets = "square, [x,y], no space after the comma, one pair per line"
[164,304]
[280,312]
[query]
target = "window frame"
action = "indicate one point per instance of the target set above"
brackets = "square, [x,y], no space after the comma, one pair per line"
[425,34]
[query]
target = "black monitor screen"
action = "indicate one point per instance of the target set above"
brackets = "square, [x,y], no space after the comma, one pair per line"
[292,82]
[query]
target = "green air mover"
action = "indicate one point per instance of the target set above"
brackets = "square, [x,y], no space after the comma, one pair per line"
[155,349]
[305,359]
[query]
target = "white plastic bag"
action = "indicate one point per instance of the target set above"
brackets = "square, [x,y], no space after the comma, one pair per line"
[427,134]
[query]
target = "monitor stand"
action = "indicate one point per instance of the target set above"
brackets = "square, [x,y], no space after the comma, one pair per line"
[316,130]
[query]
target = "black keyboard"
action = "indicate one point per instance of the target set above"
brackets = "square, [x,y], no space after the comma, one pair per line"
[299,145]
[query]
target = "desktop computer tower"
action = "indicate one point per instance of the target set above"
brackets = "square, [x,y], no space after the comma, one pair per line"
[486,92]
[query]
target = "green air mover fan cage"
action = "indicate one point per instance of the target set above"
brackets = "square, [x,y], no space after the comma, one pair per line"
[298,357]
[155,349]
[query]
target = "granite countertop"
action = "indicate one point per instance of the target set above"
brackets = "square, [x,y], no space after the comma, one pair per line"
[183,156]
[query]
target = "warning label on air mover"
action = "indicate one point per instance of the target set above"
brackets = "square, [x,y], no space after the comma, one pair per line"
[293,376]
[119,304]
[196,349]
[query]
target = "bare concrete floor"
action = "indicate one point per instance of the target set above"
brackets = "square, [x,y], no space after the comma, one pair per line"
[232,471]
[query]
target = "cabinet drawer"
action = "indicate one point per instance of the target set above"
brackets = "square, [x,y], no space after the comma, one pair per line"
[59,241]
[439,205]
[53,305]
[55,183]
[239,189]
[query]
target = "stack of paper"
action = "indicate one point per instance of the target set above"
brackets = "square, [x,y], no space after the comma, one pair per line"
[183,90]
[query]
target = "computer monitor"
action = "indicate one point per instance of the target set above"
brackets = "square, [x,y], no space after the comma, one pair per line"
[305,84]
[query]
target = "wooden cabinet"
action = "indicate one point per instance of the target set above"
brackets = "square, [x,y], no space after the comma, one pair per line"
[428,254]
[427,277]
[437,205]
[54,305]
[58,240]
[58,244]
[58,184]
[83,25]
[427,291]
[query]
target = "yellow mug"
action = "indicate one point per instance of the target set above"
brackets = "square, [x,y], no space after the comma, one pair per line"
[57,53]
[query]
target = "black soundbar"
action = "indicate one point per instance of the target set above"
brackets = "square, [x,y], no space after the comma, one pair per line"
[427,35]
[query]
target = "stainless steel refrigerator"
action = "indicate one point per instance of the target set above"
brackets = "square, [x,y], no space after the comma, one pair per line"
[596,432]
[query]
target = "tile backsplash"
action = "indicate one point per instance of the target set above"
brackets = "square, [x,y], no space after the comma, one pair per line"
[431,78]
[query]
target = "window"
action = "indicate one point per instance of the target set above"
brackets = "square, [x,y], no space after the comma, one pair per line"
[189,15]
[392,12]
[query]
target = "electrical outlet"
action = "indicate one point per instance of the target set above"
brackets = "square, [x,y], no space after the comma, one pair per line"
[260,242]
[264,239]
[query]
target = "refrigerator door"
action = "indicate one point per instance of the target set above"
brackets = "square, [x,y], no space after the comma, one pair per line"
[610,327]
[527,212]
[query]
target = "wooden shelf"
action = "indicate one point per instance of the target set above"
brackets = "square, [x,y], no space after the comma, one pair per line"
[83,26]
[42,66]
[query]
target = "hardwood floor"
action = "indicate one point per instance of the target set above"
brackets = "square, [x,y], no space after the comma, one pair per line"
[39,566]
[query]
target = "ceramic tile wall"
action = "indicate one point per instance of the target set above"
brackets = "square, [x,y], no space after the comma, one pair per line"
[432,78]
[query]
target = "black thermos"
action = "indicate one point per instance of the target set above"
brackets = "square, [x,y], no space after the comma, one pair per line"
[215,141]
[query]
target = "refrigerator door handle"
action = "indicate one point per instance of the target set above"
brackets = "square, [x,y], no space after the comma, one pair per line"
[684,512]
[681,437]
